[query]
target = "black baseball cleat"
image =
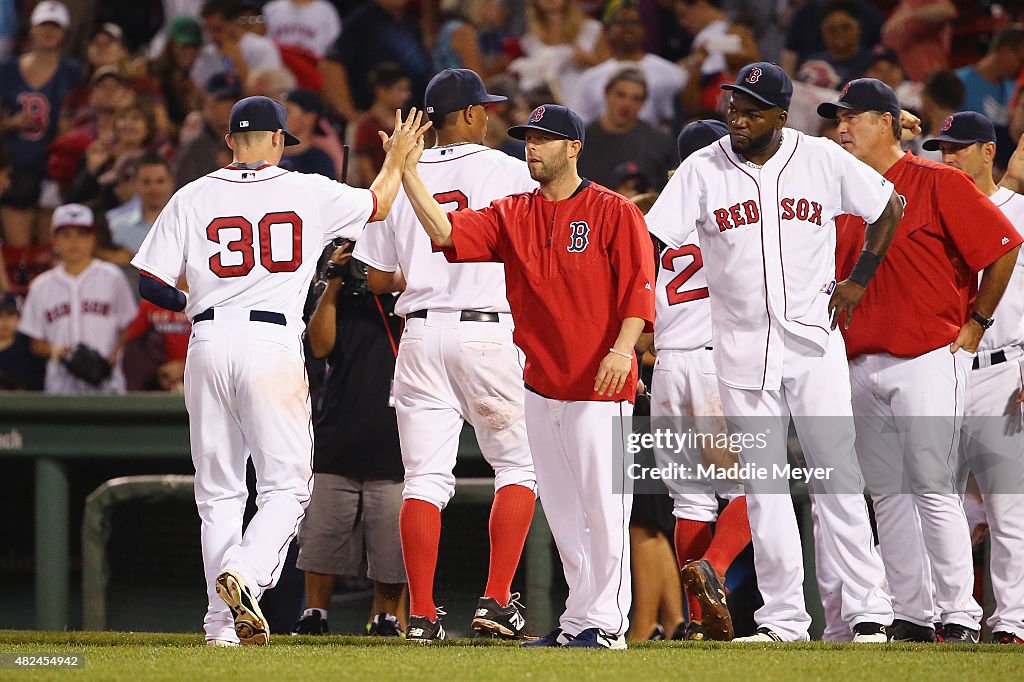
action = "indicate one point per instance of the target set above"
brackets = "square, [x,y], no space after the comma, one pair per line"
[694,632]
[701,580]
[954,633]
[384,625]
[311,624]
[905,631]
[250,625]
[869,632]
[679,633]
[554,638]
[1003,637]
[495,620]
[422,629]
[657,633]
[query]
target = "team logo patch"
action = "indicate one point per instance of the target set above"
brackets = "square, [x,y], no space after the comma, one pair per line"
[579,237]
[1004,241]
[947,124]
[755,75]
[243,124]
[537,114]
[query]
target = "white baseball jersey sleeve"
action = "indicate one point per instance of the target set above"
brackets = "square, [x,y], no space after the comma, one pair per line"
[682,318]
[251,238]
[462,176]
[1008,328]
[91,308]
[768,239]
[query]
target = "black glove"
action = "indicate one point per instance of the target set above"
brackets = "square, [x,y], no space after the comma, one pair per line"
[87,364]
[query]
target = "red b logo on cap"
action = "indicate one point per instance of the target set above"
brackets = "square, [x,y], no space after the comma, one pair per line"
[842,93]
[537,114]
[755,75]
[947,124]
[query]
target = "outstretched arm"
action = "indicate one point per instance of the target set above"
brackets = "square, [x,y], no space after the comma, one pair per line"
[428,211]
[407,136]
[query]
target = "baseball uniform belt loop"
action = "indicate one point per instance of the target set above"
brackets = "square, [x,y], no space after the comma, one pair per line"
[254,316]
[465,316]
[996,357]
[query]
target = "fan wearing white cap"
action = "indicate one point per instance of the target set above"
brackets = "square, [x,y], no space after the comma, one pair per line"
[80,301]
[33,86]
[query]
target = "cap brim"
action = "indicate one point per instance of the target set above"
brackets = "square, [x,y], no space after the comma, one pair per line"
[749,92]
[519,132]
[830,110]
[290,140]
[932,144]
[493,99]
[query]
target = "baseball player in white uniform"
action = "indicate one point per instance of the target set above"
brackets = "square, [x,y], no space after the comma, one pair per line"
[456,361]
[248,237]
[991,438]
[81,301]
[684,384]
[764,202]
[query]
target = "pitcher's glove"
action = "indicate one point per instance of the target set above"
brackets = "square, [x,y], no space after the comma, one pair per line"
[87,364]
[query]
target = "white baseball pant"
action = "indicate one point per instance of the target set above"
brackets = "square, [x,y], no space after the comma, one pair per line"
[247,396]
[448,371]
[815,393]
[909,412]
[992,447]
[573,453]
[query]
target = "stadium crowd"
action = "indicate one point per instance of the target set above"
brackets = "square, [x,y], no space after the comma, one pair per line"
[106,108]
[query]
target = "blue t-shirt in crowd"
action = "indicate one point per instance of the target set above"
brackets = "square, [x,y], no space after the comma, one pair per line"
[986,97]
[42,106]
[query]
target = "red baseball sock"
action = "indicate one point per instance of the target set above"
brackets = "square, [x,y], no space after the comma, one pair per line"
[419,523]
[511,515]
[692,539]
[732,535]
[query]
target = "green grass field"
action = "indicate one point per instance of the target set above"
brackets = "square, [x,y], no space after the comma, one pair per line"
[137,657]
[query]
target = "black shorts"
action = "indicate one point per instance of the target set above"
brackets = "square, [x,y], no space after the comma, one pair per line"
[26,183]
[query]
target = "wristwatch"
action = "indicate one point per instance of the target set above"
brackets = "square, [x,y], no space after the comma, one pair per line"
[985,322]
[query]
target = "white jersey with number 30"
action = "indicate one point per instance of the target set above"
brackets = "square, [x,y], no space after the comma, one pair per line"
[461,176]
[251,238]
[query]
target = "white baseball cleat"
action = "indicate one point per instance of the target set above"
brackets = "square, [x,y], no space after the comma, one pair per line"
[220,642]
[250,625]
[763,634]
[869,633]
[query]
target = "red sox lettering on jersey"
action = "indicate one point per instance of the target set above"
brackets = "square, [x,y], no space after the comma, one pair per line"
[748,213]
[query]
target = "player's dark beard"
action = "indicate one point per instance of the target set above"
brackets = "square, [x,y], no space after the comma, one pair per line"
[550,170]
[755,145]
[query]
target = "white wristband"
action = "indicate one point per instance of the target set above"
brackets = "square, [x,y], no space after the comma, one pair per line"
[619,352]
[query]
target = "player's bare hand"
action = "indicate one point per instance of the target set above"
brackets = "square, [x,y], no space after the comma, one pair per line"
[342,254]
[844,299]
[612,374]
[57,352]
[910,124]
[415,154]
[968,338]
[406,135]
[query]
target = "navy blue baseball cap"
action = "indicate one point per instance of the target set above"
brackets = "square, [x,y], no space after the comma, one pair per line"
[454,90]
[698,135]
[863,94]
[554,119]
[8,302]
[766,82]
[966,127]
[261,114]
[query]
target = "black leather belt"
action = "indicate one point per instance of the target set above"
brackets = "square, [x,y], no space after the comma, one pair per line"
[996,357]
[466,316]
[254,316]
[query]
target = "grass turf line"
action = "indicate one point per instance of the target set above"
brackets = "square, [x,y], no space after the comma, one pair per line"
[134,657]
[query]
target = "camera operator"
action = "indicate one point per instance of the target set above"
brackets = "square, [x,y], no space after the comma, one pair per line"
[357,465]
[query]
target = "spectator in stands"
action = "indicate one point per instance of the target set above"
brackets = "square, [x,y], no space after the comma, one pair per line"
[560,43]
[20,370]
[204,151]
[304,110]
[619,136]
[270,81]
[989,84]
[920,31]
[840,29]
[943,96]
[886,67]
[153,185]
[357,481]
[6,166]
[375,32]
[720,49]
[172,67]
[33,86]
[392,89]
[231,47]
[625,34]
[310,26]
[8,28]
[502,116]
[804,38]
[155,345]
[80,301]
[472,36]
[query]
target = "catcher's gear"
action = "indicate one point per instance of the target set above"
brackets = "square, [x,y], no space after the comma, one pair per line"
[87,364]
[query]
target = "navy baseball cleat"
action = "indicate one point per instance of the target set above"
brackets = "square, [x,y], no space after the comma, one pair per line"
[596,638]
[506,622]
[554,638]
[250,625]
[701,580]
[905,631]
[422,629]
